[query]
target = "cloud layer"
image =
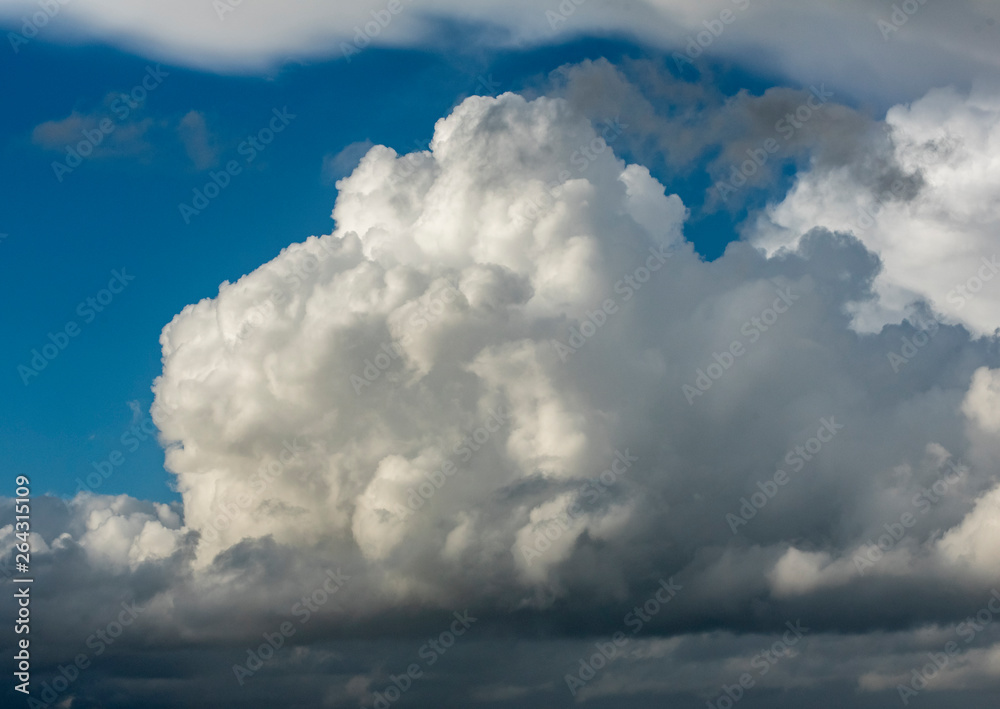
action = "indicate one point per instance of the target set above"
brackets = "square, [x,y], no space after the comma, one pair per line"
[894,54]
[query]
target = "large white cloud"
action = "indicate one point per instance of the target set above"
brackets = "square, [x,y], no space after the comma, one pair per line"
[435,388]
[452,271]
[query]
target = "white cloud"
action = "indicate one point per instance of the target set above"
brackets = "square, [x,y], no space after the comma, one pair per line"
[408,230]
[974,545]
[982,404]
[940,246]
[362,384]
[118,533]
[940,43]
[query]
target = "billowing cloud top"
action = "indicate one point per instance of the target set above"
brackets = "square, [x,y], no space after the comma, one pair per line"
[449,299]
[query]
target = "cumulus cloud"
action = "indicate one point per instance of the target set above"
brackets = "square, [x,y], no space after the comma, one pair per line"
[432,268]
[939,247]
[118,533]
[430,387]
[506,382]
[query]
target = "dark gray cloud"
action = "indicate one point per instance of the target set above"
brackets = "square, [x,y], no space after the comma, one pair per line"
[683,123]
